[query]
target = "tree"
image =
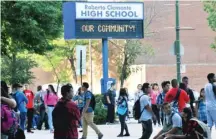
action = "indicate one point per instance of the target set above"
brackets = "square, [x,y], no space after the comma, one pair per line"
[64,51]
[210,8]
[129,50]
[23,72]
[128,54]
[29,25]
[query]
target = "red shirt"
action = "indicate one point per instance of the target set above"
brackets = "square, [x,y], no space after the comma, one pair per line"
[74,114]
[183,98]
[30,96]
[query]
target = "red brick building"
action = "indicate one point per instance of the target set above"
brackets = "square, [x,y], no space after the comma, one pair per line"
[199,58]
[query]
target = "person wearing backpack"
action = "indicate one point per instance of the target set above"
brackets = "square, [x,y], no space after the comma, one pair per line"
[110,99]
[146,113]
[192,127]
[39,100]
[9,122]
[122,111]
[172,123]
[21,101]
[88,112]
[210,95]
[66,115]
[178,97]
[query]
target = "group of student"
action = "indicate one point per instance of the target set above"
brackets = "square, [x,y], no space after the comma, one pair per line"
[65,113]
[174,109]
[60,115]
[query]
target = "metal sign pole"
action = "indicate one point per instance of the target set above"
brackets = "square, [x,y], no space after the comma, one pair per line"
[81,67]
[105,63]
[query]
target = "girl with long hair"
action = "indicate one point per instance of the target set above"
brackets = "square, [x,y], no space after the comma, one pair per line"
[153,95]
[201,107]
[122,111]
[50,100]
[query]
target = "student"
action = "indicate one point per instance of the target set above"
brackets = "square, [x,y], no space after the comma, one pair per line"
[5,100]
[21,101]
[201,107]
[80,103]
[138,93]
[160,99]
[66,115]
[39,100]
[147,113]
[210,95]
[153,96]
[88,112]
[50,100]
[172,123]
[191,127]
[122,111]
[183,98]
[30,107]
[185,80]
[110,96]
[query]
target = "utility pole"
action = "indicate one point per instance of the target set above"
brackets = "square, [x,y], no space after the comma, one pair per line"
[90,55]
[177,44]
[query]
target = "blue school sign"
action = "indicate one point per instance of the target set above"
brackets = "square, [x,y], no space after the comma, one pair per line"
[103,20]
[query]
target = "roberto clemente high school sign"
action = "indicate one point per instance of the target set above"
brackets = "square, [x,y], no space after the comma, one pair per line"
[95,20]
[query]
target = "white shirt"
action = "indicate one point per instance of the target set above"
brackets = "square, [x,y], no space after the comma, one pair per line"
[144,101]
[210,97]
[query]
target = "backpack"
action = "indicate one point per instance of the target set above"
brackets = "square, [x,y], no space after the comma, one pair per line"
[206,133]
[137,109]
[122,108]
[214,89]
[9,121]
[174,103]
[60,116]
[92,102]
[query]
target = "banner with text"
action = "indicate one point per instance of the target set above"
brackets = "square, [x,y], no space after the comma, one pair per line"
[114,11]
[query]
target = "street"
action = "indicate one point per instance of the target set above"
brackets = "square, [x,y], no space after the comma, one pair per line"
[109,131]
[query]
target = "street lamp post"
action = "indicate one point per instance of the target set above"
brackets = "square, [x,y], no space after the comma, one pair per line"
[177,44]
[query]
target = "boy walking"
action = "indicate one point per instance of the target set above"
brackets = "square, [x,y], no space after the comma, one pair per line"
[88,112]
[66,115]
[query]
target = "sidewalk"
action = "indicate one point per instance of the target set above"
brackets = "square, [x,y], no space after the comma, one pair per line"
[109,131]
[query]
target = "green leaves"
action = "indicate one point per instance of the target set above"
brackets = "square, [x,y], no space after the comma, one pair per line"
[30,24]
[21,67]
[210,8]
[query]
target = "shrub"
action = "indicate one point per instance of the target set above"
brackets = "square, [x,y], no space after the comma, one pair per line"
[100,111]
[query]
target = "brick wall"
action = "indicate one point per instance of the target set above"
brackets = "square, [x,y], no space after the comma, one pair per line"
[196,72]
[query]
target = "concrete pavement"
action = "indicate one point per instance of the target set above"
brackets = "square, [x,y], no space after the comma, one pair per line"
[109,131]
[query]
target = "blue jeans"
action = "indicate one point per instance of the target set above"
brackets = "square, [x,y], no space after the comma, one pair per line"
[50,110]
[35,120]
[211,117]
[23,116]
